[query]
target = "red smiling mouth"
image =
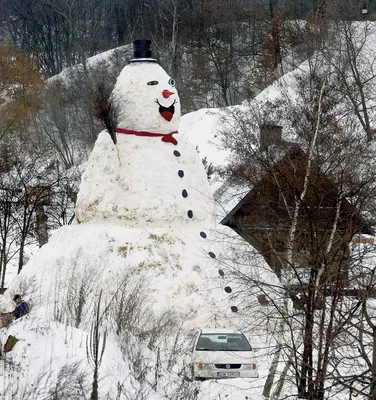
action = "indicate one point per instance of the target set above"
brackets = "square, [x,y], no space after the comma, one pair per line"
[166,112]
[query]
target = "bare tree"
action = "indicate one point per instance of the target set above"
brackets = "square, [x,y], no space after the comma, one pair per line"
[60,33]
[353,61]
[309,196]
[8,228]
[95,347]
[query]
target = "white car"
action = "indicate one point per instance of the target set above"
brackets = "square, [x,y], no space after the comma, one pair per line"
[219,353]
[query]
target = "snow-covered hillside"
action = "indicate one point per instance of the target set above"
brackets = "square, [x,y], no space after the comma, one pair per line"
[346,62]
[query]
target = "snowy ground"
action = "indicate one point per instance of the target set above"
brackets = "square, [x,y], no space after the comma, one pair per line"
[52,359]
[90,258]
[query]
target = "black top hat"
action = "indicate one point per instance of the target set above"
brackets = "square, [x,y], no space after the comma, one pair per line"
[141,50]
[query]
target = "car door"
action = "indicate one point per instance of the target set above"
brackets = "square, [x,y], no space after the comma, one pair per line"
[189,354]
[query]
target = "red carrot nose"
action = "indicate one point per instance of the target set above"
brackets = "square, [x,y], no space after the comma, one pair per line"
[166,93]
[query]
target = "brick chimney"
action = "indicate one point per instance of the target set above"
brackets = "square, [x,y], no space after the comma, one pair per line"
[270,134]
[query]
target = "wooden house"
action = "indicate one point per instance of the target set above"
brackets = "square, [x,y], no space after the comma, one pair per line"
[264,216]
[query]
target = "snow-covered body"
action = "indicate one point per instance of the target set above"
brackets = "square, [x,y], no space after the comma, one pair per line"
[172,266]
[152,194]
[156,183]
[155,191]
[144,211]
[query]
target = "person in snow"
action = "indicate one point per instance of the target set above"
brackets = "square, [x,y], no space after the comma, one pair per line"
[22,308]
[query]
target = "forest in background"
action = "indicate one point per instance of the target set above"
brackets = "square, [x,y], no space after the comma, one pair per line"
[219,51]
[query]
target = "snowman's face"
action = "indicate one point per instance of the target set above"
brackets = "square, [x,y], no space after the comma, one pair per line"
[146,99]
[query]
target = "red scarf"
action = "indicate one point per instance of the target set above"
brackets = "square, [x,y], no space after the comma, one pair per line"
[166,137]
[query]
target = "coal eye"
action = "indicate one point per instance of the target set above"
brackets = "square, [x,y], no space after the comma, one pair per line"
[171,82]
[153,83]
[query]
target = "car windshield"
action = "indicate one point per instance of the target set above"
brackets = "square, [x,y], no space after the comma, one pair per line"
[222,342]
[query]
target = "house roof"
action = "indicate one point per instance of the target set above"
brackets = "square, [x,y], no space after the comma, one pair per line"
[292,154]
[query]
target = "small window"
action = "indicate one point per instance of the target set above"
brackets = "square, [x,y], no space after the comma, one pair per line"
[192,341]
[223,342]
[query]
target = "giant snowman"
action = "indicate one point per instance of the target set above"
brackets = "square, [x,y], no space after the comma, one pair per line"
[145,218]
